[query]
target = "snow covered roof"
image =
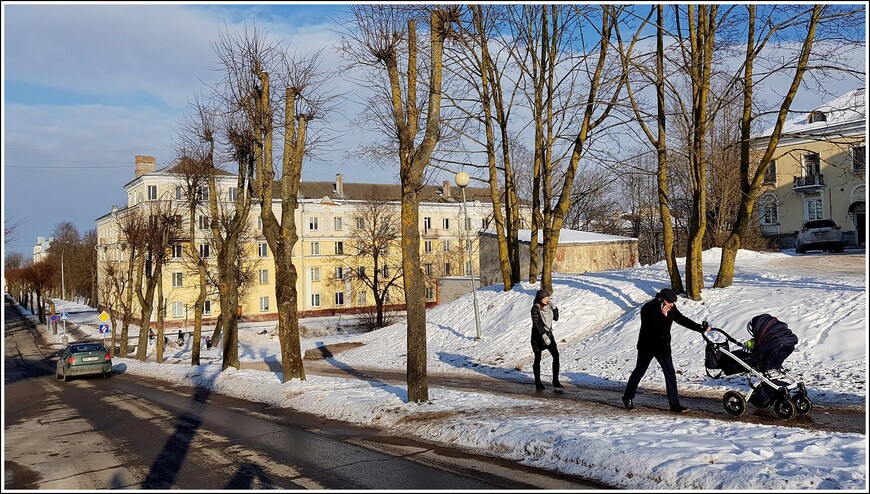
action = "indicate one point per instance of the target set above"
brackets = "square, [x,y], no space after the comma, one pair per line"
[848,108]
[567,236]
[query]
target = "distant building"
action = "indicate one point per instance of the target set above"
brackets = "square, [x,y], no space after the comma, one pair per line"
[326,216]
[818,172]
[40,250]
[578,252]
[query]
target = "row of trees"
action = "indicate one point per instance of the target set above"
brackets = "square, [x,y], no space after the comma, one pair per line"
[540,99]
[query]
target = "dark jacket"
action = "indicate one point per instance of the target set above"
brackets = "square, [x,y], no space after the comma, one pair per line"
[539,326]
[655,328]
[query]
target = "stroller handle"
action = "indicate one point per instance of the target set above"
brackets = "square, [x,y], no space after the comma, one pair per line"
[727,336]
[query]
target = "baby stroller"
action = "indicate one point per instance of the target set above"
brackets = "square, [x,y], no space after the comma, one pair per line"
[760,360]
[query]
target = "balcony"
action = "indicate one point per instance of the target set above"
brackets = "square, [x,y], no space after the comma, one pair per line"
[809,183]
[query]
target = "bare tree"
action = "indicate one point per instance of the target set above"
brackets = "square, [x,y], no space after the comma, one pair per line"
[384,34]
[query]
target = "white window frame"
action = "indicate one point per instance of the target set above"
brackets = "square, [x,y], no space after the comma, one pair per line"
[206,307]
[177,251]
[446,246]
[445,223]
[361,298]
[339,273]
[447,267]
[427,246]
[179,192]
[339,298]
[427,223]
[814,209]
[264,276]
[315,248]
[313,224]
[177,310]
[204,251]
[264,304]
[202,193]
[315,300]
[430,293]
[262,249]
[360,223]
[859,163]
[769,216]
[152,192]
[315,274]
[232,194]
[203,222]
[337,223]
[177,280]
[339,247]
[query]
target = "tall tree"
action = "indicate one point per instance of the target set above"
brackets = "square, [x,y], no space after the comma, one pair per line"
[384,33]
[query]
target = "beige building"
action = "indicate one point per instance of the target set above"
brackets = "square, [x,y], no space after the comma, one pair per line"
[819,172]
[327,215]
[578,252]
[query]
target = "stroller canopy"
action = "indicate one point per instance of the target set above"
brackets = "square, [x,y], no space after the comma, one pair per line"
[774,341]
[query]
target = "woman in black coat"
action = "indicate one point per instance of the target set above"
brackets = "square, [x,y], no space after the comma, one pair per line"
[654,342]
[544,312]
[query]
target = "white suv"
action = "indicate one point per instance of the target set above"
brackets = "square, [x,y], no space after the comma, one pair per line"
[819,235]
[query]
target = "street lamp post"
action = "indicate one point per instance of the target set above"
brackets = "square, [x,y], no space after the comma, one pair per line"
[462,180]
[63,294]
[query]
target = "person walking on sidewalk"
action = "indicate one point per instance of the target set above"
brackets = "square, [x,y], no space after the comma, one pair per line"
[654,342]
[544,312]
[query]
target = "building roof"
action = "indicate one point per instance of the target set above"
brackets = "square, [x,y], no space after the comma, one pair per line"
[390,192]
[567,236]
[848,108]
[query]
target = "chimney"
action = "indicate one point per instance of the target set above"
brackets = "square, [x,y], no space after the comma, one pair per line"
[145,164]
[445,189]
[339,185]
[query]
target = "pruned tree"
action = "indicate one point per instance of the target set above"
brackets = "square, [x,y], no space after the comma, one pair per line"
[385,39]
[131,226]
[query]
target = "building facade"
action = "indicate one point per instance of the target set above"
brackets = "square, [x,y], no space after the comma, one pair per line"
[329,219]
[818,172]
[40,250]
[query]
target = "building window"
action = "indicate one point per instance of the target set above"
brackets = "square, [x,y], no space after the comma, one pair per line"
[427,224]
[814,209]
[338,224]
[430,293]
[811,164]
[264,276]
[202,193]
[179,193]
[446,269]
[769,213]
[468,267]
[445,223]
[361,298]
[177,280]
[264,304]
[360,223]
[259,224]
[770,173]
[484,223]
[362,272]
[859,158]
[233,194]
[177,309]
[468,223]
[816,116]
[177,221]
[315,300]
[446,246]
[206,308]
[385,271]
[339,247]
[263,249]
[152,192]
[427,268]
[203,222]
[315,248]
[315,274]
[312,223]
[427,246]
[177,251]
[204,251]
[339,298]
[339,273]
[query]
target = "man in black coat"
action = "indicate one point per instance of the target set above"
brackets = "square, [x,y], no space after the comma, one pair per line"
[654,342]
[544,313]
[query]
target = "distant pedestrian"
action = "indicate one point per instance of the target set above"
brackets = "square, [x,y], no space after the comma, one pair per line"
[208,342]
[654,342]
[544,312]
[180,336]
[150,334]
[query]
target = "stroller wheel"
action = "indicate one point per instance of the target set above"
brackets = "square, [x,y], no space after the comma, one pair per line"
[783,408]
[802,404]
[734,403]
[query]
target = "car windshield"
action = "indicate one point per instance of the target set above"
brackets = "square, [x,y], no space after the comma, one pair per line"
[96,347]
[820,224]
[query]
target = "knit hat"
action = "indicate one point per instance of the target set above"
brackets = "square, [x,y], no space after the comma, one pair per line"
[668,294]
[541,295]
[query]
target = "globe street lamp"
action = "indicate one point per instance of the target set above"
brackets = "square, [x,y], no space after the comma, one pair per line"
[462,180]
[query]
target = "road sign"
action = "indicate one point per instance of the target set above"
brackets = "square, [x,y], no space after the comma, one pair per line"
[104,328]
[54,317]
[64,317]
[104,316]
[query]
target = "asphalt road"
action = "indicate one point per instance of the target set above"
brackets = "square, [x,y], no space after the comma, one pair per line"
[130,432]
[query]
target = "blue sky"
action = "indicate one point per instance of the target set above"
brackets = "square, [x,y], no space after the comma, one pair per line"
[87,87]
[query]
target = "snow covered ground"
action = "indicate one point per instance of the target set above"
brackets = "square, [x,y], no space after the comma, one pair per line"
[597,333]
